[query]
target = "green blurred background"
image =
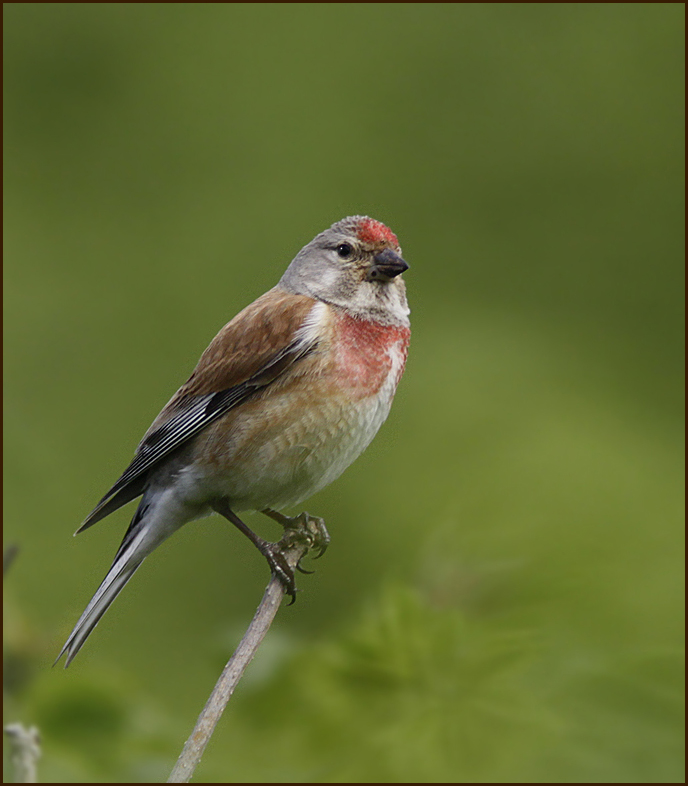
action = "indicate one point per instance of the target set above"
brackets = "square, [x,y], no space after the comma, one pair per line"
[502,600]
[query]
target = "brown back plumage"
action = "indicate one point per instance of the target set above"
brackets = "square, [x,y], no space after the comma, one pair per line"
[230,370]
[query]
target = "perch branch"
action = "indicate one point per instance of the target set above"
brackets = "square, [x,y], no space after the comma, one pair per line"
[294,545]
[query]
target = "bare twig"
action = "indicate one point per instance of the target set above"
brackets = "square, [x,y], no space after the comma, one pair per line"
[25,750]
[294,545]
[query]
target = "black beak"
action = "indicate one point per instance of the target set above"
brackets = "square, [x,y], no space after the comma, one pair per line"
[386,266]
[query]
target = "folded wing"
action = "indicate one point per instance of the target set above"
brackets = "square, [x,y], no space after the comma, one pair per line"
[260,345]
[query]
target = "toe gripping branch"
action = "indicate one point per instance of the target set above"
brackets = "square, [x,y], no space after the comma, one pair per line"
[304,529]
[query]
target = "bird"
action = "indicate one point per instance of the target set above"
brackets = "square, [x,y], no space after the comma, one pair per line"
[286,396]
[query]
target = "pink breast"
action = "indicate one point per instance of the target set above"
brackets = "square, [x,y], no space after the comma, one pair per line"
[366,352]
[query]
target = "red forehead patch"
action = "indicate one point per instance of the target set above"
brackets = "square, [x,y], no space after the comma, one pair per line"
[371,231]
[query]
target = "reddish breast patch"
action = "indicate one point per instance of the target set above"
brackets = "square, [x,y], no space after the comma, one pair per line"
[366,352]
[374,232]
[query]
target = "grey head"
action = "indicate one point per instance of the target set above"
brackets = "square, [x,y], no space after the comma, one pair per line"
[356,264]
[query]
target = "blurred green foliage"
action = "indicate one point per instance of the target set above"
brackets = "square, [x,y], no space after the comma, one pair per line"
[502,601]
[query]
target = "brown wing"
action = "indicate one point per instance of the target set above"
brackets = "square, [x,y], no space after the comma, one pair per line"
[253,350]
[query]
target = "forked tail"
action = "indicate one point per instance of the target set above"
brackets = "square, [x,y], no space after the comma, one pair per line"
[118,575]
[129,557]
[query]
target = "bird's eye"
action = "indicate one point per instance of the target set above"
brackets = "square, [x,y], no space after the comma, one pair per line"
[344,250]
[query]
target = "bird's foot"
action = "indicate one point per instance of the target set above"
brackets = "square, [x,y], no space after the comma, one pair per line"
[312,529]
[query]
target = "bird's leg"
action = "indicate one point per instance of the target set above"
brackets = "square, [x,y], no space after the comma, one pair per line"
[271,551]
[319,537]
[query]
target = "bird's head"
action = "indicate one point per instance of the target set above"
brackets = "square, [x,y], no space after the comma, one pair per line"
[355,264]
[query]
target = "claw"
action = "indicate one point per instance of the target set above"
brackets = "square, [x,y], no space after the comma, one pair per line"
[321,537]
[303,570]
